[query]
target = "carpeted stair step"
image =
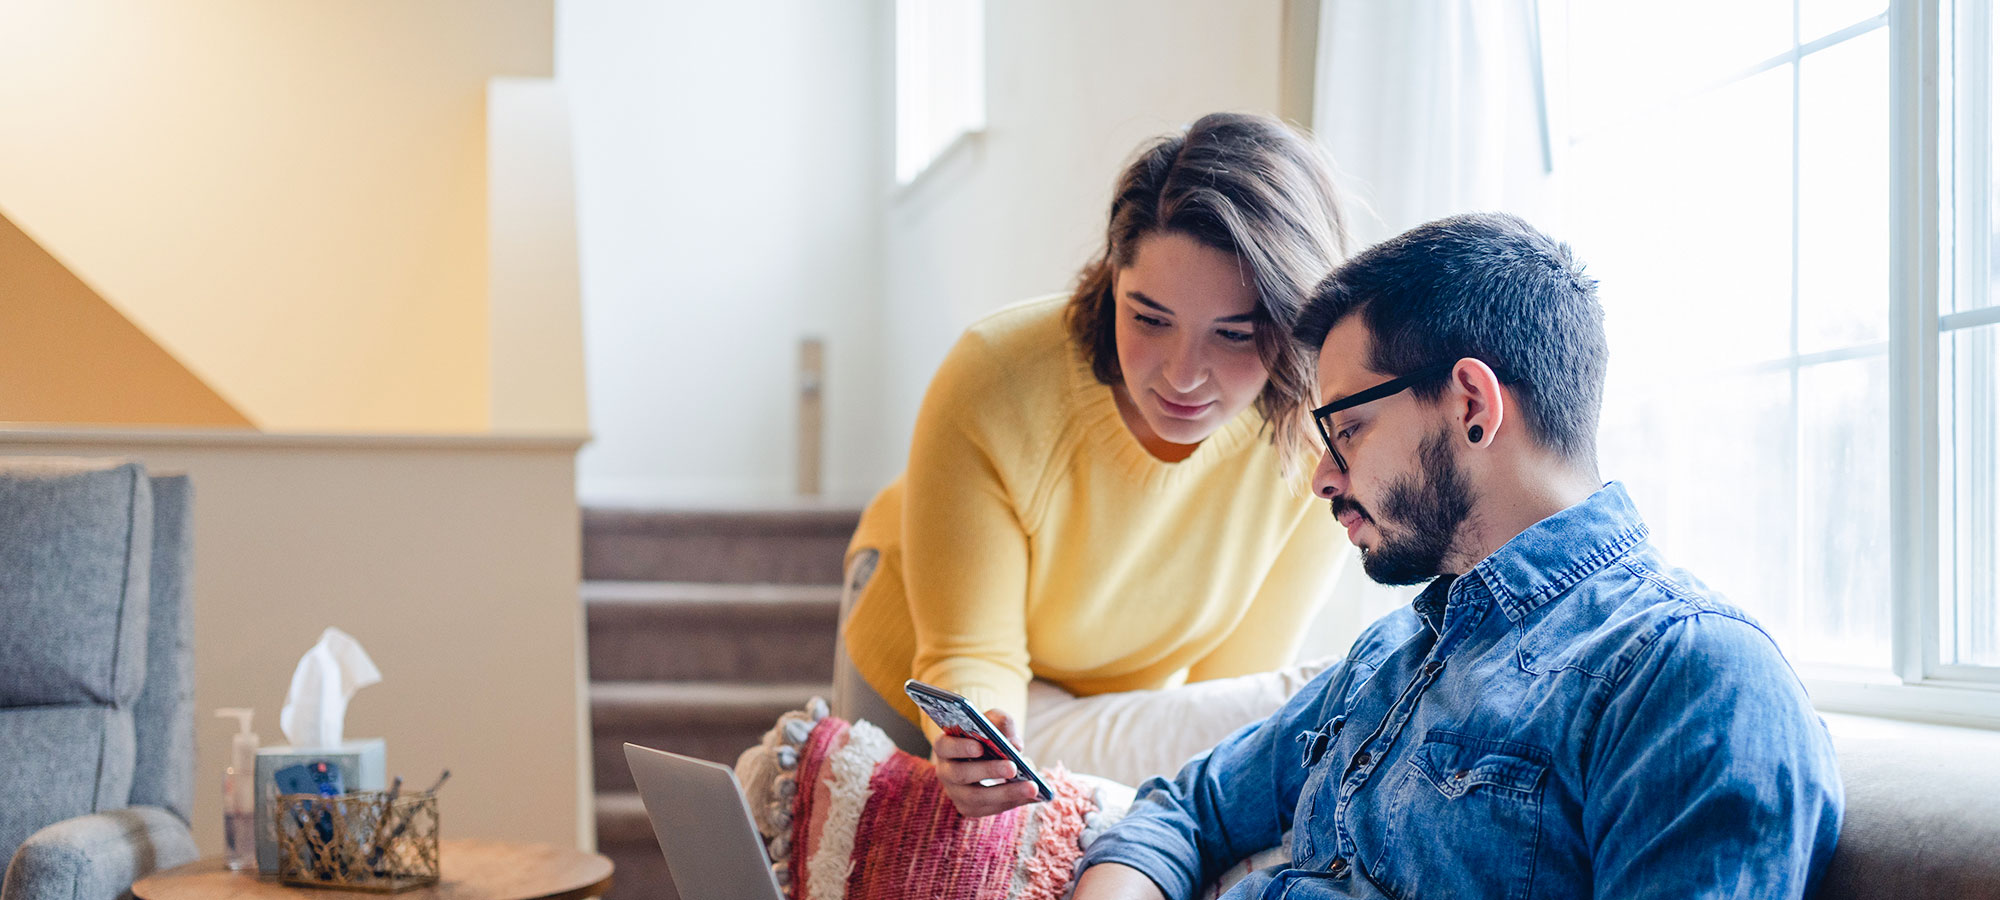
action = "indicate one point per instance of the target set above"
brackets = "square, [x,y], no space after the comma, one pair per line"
[799,545]
[740,633]
[621,819]
[626,835]
[704,720]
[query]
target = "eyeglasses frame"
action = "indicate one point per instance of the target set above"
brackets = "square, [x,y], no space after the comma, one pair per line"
[1388,388]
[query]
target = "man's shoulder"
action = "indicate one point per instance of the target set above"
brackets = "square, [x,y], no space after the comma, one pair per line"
[1618,619]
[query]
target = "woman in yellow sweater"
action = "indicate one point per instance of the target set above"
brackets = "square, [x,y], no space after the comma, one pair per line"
[1100,496]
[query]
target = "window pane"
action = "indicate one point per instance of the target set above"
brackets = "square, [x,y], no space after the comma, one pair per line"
[1695,192]
[1844,506]
[1686,219]
[1980,129]
[1819,18]
[1967,137]
[1626,58]
[940,79]
[1969,384]
[1709,462]
[1984,130]
[1844,194]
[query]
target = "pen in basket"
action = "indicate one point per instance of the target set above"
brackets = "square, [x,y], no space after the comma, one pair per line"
[375,840]
[402,822]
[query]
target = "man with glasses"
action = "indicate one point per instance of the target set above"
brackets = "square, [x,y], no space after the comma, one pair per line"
[1560,713]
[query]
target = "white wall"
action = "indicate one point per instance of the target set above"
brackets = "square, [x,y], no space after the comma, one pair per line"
[734,193]
[534,308]
[1072,90]
[463,593]
[731,166]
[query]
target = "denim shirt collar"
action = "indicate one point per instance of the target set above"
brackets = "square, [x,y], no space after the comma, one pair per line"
[1539,564]
[1430,603]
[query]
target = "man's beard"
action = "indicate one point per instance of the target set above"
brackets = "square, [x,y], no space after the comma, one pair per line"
[1426,513]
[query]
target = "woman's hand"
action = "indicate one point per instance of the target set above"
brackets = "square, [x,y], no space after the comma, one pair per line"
[960,770]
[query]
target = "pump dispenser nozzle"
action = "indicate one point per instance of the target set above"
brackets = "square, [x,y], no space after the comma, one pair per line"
[241,715]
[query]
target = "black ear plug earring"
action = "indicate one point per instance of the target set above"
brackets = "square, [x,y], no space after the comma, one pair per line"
[1475,434]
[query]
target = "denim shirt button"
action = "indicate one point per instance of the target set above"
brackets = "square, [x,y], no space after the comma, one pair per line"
[1361,759]
[1339,866]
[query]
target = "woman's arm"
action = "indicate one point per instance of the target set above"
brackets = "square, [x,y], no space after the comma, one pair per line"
[965,551]
[965,571]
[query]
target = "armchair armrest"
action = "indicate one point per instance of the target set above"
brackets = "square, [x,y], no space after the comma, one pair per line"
[98,856]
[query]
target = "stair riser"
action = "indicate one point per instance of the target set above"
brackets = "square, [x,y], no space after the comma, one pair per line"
[683,648]
[718,743]
[621,819]
[714,558]
[761,650]
[639,872]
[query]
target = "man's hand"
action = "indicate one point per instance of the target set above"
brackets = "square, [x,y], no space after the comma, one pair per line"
[1115,881]
[960,771]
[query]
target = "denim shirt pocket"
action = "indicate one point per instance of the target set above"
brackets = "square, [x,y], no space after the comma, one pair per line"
[1462,817]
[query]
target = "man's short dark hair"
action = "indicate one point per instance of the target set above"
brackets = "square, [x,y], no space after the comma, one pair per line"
[1487,286]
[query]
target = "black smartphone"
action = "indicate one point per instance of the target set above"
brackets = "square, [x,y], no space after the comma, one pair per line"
[956,716]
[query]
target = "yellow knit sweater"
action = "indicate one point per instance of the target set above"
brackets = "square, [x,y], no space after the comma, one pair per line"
[1033,537]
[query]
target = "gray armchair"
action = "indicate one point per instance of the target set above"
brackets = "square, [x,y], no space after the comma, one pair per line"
[96,677]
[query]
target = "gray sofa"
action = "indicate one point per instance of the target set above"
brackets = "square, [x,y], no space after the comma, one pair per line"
[96,677]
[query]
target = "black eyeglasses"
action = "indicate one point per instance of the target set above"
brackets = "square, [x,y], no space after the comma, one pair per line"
[1386,389]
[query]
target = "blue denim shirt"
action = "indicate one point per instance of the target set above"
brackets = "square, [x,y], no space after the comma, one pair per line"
[1571,718]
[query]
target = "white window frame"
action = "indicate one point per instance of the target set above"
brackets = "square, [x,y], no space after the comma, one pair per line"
[1922,254]
[1829,679]
[1969,134]
[1941,173]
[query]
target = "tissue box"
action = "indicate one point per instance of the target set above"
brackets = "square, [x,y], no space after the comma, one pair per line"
[363,765]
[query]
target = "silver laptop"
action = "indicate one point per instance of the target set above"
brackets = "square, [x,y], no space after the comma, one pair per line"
[704,827]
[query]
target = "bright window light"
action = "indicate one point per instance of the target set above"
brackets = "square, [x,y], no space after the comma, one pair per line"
[1730,189]
[1795,222]
[940,79]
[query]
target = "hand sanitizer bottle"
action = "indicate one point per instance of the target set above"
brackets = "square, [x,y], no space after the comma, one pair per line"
[239,793]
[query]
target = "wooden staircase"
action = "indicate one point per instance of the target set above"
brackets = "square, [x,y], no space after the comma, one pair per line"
[703,626]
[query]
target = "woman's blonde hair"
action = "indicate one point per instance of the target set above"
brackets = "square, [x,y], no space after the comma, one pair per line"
[1251,186]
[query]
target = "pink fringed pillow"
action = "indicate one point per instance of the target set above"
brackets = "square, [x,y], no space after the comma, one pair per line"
[847,816]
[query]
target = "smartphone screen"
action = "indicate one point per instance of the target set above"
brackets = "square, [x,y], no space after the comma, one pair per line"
[956,716]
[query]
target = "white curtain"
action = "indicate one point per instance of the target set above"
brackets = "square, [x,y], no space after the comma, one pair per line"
[1434,107]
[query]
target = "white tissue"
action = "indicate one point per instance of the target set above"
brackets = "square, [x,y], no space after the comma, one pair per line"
[327,677]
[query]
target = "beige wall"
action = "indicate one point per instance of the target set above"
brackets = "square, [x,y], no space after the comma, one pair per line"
[67,356]
[453,560]
[290,197]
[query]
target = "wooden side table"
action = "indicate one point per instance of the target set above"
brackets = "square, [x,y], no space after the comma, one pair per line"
[467,870]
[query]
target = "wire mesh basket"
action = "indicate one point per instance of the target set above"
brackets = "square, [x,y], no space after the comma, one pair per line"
[361,841]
